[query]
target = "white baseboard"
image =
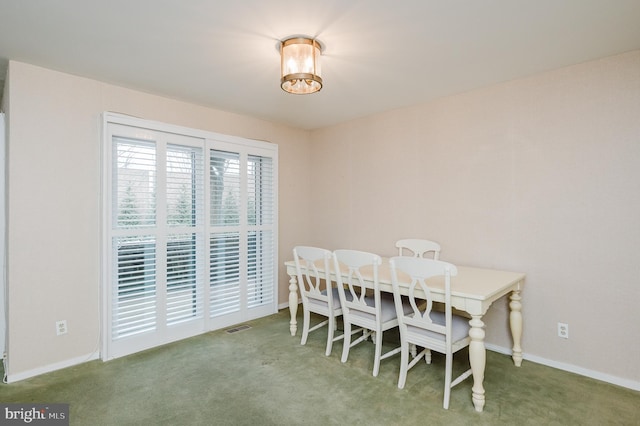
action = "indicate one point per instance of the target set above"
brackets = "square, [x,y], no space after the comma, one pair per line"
[626,383]
[52,367]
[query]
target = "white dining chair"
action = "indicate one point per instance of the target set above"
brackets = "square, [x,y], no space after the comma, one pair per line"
[438,331]
[318,295]
[418,247]
[363,305]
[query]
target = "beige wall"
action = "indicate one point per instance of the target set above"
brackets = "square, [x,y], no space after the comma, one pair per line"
[539,175]
[53,267]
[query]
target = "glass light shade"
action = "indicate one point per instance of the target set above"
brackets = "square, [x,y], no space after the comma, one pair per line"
[300,68]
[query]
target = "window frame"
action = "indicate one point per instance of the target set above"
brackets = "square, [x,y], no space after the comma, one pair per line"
[247,148]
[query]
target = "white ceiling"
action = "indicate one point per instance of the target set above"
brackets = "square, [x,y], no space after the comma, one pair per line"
[379,54]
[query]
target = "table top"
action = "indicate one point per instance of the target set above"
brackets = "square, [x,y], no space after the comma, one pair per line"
[472,289]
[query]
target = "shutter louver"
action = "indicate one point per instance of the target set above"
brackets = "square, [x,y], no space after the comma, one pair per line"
[224,188]
[261,202]
[184,286]
[185,186]
[224,276]
[134,310]
[135,183]
[260,269]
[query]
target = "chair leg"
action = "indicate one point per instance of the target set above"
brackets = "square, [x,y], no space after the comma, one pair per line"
[346,341]
[378,351]
[447,380]
[305,327]
[330,329]
[404,365]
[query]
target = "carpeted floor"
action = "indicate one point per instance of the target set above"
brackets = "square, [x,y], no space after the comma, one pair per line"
[263,376]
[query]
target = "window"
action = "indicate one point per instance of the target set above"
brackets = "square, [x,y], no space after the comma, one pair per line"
[190,233]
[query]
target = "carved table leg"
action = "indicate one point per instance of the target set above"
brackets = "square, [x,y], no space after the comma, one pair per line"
[515,319]
[293,304]
[478,360]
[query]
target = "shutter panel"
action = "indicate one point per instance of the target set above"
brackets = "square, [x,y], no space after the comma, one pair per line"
[260,269]
[224,184]
[134,295]
[185,186]
[135,183]
[224,276]
[224,244]
[184,282]
[134,309]
[261,202]
[260,244]
[185,191]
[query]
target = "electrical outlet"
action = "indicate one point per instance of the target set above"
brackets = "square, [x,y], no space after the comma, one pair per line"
[563,330]
[61,327]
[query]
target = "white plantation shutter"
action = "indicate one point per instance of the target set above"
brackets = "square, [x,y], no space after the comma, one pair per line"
[224,248]
[261,202]
[185,186]
[190,233]
[184,278]
[224,189]
[224,276]
[135,183]
[135,289]
[260,269]
[185,250]
[134,292]
[260,244]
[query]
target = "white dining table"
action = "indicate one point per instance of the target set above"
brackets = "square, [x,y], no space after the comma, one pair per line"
[473,290]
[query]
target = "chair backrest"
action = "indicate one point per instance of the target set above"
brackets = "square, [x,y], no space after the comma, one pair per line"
[418,271]
[418,247]
[310,262]
[362,267]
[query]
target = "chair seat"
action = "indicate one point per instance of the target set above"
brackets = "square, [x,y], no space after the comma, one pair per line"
[388,308]
[336,299]
[459,327]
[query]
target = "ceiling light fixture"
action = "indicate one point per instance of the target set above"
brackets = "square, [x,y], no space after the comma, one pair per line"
[300,66]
